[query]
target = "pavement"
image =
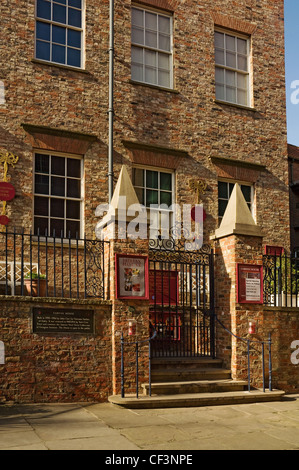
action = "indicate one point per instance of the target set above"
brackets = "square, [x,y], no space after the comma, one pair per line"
[108,427]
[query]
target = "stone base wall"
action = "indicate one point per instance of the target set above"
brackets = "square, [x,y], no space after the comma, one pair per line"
[54,367]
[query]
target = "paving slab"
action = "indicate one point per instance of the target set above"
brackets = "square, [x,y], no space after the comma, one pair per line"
[108,427]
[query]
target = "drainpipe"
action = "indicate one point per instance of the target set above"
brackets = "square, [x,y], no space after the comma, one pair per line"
[111,110]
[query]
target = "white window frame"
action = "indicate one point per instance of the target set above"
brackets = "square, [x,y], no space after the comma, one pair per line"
[247,74]
[143,47]
[67,27]
[65,198]
[241,183]
[159,211]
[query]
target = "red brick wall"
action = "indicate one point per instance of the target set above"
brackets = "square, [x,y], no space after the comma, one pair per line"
[54,367]
[186,118]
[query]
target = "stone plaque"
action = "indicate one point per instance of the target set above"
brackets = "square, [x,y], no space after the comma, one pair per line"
[62,320]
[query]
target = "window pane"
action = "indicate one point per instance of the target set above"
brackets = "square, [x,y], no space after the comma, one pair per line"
[221,207]
[74,38]
[151,39]
[230,43]
[58,54]
[72,229]
[242,97]
[73,57]
[41,163]
[222,190]
[58,34]
[220,94]
[57,227]
[219,57]
[242,46]
[137,17]
[165,198]
[42,30]
[150,58]
[74,17]
[42,50]
[74,168]
[231,95]
[57,186]
[230,188]
[246,190]
[58,166]
[57,208]
[61,1]
[219,75]
[41,206]
[165,181]
[231,60]
[219,40]
[230,78]
[164,42]
[73,188]
[164,24]
[151,197]
[151,21]
[150,75]
[75,3]
[138,36]
[41,226]
[152,179]
[140,194]
[163,61]
[163,79]
[242,81]
[137,54]
[73,209]
[59,13]
[242,63]
[138,177]
[44,9]
[137,72]
[42,184]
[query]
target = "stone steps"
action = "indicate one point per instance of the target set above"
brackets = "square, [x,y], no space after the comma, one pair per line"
[187,382]
[196,399]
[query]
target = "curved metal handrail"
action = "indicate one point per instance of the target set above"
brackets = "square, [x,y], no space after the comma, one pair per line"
[248,341]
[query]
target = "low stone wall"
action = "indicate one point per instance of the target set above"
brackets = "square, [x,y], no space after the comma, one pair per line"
[51,367]
[284,326]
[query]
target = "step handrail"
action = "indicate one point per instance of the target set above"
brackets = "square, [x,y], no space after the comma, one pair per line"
[248,341]
[122,371]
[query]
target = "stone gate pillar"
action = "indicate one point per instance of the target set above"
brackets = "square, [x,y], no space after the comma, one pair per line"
[237,241]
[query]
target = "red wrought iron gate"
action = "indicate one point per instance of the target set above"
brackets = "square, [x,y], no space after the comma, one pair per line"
[181,299]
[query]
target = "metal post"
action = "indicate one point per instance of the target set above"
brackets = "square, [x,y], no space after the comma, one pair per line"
[122,366]
[111,110]
[150,369]
[263,362]
[248,357]
[137,369]
[270,365]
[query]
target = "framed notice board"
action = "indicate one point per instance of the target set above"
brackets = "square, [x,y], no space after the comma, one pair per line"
[249,283]
[131,277]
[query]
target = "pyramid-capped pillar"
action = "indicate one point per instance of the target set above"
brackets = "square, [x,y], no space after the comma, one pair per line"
[237,219]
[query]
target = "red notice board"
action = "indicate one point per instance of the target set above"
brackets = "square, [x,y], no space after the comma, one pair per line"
[131,276]
[163,287]
[249,284]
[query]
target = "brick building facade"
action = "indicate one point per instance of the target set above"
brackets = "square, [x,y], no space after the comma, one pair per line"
[181,126]
[199,94]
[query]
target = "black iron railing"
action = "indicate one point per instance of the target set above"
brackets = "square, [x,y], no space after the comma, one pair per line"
[136,344]
[59,266]
[281,280]
[250,343]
